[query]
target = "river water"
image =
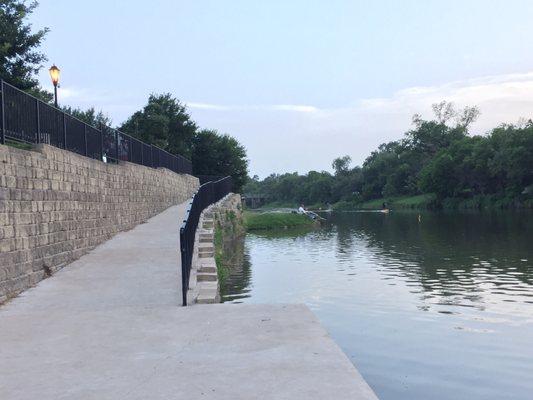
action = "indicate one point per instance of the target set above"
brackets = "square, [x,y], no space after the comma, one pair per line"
[436,307]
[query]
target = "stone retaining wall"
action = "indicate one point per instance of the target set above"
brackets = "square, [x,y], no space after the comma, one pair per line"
[225,215]
[56,205]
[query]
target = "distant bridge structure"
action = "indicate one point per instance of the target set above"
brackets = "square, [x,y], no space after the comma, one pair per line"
[254,200]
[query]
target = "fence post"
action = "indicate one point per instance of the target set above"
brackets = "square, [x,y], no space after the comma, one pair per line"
[38,139]
[64,131]
[116,145]
[101,142]
[2,114]
[85,139]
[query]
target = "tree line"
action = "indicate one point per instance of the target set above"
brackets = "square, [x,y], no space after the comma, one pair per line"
[164,121]
[437,157]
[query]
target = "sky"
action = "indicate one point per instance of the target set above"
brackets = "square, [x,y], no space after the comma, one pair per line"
[298,83]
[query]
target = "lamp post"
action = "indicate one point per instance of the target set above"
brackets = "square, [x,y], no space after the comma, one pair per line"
[54,74]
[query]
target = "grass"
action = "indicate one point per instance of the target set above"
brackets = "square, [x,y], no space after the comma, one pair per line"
[19,145]
[429,201]
[275,220]
[420,201]
[222,269]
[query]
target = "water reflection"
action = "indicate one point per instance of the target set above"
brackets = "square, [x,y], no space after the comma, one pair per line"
[236,284]
[439,307]
[452,258]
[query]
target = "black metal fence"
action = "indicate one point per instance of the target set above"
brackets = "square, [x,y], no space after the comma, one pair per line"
[24,118]
[208,178]
[207,194]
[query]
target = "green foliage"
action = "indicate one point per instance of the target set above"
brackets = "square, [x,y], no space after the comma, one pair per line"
[220,259]
[437,158]
[19,145]
[500,163]
[275,220]
[20,60]
[421,201]
[89,116]
[341,165]
[163,122]
[216,154]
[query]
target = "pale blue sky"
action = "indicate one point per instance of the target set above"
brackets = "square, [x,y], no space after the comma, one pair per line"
[297,82]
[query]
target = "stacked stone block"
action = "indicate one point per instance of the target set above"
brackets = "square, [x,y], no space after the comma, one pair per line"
[56,205]
[204,286]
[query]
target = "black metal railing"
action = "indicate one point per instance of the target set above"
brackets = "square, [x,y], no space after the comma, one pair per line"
[208,178]
[207,194]
[25,118]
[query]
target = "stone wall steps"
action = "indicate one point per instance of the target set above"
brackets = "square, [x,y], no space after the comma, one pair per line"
[204,271]
[208,293]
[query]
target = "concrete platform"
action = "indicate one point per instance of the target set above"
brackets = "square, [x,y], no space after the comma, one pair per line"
[109,326]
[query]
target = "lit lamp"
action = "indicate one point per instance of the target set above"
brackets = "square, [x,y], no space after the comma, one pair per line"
[54,74]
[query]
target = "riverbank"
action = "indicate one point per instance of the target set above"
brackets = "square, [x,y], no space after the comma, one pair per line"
[423,201]
[427,201]
[254,221]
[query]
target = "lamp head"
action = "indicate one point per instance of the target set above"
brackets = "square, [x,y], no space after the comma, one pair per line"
[54,74]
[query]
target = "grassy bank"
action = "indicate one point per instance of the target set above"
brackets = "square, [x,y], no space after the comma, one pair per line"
[19,145]
[275,220]
[430,202]
[423,201]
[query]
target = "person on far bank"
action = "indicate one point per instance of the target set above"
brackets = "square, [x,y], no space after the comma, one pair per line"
[301,210]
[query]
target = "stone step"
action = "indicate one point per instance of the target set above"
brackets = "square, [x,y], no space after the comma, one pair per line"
[207,297]
[208,293]
[207,265]
[208,268]
[206,238]
[206,251]
[206,276]
[209,285]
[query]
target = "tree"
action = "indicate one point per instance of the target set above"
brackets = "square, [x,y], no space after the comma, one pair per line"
[20,60]
[163,122]
[445,111]
[341,165]
[89,116]
[216,154]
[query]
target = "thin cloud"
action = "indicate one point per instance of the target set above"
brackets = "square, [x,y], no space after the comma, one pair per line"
[275,107]
[321,134]
[207,106]
[296,108]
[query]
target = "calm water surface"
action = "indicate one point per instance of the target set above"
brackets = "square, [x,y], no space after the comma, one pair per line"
[440,308]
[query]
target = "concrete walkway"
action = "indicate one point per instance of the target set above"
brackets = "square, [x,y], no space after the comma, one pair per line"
[109,326]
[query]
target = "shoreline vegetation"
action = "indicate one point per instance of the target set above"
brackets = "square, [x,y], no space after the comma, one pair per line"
[428,201]
[264,221]
[438,164]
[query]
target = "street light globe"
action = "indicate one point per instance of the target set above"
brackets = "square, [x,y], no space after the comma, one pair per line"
[54,74]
